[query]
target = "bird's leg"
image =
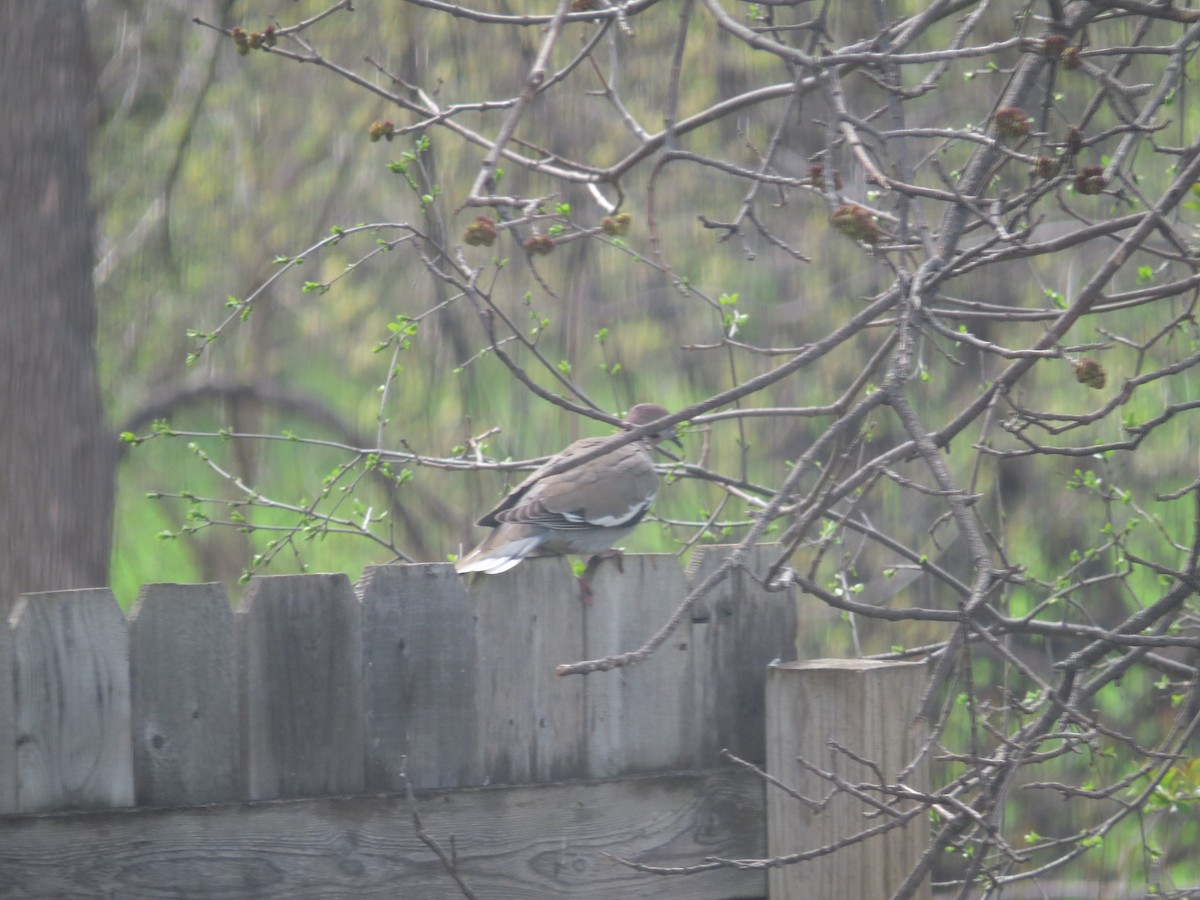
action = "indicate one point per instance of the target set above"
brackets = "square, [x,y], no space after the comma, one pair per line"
[617,553]
[593,563]
[585,592]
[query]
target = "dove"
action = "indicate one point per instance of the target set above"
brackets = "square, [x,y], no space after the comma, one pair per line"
[582,511]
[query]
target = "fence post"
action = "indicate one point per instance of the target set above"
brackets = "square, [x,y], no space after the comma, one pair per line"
[8,713]
[867,707]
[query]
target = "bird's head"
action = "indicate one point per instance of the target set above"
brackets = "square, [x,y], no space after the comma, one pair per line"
[644,414]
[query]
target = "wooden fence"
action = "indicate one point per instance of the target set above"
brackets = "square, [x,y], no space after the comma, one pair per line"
[190,751]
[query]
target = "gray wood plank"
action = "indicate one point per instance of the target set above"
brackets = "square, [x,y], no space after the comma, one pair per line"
[546,842]
[745,628]
[183,675]
[300,677]
[419,671]
[8,714]
[529,722]
[643,718]
[71,680]
[868,707]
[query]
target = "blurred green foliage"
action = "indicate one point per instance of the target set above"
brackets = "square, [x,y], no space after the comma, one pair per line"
[209,166]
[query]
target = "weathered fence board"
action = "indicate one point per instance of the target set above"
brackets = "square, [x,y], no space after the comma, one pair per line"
[70,671]
[869,708]
[550,842]
[419,664]
[741,629]
[530,721]
[441,664]
[644,718]
[183,676]
[301,687]
[8,715]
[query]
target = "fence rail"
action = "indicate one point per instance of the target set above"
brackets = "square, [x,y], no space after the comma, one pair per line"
[193,751]
[539,842]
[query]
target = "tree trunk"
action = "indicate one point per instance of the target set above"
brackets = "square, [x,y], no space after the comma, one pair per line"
[57,459]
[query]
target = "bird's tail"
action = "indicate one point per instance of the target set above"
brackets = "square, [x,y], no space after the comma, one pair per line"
[501,550]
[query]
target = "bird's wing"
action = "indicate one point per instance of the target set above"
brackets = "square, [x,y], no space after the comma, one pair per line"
[611,491]
[518,495]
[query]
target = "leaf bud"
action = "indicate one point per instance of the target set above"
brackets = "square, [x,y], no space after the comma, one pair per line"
[1012,122]
[1090,373]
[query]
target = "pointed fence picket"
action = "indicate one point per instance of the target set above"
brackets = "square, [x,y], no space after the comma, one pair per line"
[186,734]
[205,752]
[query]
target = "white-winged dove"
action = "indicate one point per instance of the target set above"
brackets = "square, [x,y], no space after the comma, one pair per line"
[582,511]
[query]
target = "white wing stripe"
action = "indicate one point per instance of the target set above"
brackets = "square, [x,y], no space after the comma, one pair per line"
[614,521]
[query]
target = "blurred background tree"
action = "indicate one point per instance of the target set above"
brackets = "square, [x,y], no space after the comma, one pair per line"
[57,453]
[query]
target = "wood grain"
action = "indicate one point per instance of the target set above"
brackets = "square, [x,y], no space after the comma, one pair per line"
[551,842]
[644,718]
[529,722]
[8,714]
[419,675]
[743,629]
[300,681]
[71,693]
[183,673]
[868,707]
